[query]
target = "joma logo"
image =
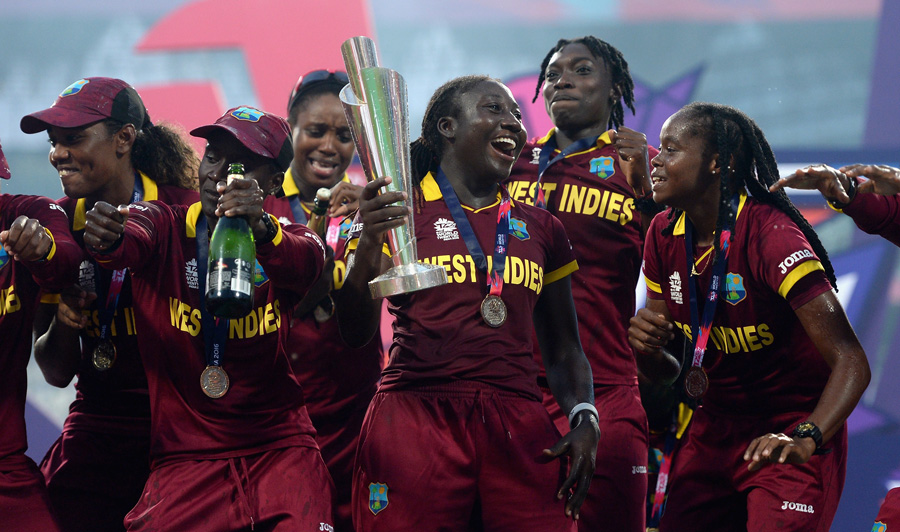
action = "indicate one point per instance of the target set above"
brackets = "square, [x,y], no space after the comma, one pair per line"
[797,507]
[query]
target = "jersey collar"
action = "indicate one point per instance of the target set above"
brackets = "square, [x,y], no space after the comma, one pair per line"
[678,230]
[602,140]
[432,192]
[289,186]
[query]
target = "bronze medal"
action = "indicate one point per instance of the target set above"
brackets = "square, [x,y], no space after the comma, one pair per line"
[493,310]
[696,382]
[104,355]
[214,381]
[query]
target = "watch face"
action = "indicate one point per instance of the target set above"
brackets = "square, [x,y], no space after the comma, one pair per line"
[805,427]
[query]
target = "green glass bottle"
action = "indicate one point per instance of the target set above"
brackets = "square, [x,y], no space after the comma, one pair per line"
[232,263]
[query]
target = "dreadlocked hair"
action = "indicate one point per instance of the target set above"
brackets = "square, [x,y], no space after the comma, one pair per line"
[748,161]
[615,63]
[160,152]
[427,150]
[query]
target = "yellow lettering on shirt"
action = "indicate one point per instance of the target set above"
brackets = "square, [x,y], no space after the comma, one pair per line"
[340,271]
[9,301]
[265,319]
[627,211]
[615,205]
[183,317]
[519,271]
[592,202]
[744,339]
[576,200]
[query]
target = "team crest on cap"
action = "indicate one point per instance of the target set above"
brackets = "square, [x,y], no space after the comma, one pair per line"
[247,113]
[603,167]
[74,88]
[518,229]
[879,527]
[734,288]
[260,277]
[378,497]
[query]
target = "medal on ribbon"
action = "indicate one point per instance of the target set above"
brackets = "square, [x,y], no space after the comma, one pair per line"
[493,309]
[696,381]
[104,355]
[214,380]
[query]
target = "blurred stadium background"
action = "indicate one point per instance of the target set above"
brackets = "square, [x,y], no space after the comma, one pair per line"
[819,76]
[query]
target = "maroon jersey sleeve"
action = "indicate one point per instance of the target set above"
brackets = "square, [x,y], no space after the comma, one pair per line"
[783,257]
[149,225]
[562,259]
[60,269]
[294,258]
[877,215]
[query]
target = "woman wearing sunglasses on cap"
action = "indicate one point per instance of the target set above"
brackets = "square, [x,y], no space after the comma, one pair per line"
[338,381]
[36,253]
[105,148]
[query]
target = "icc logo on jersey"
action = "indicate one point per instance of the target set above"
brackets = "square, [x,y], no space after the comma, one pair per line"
[378,497]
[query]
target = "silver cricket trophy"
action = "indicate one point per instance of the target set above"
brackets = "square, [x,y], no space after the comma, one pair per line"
[375,104]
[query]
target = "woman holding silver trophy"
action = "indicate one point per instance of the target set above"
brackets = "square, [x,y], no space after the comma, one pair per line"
[461,379]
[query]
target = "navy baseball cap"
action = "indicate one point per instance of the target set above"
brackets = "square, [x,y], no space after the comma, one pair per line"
[4,166]
[90,100]
[260,132]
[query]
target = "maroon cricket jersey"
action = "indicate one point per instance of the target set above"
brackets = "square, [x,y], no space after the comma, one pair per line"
[589,194]
[335,377]
[20,286]
[877,215]
[439,333]
[263,408]
[115,400]
[759,358]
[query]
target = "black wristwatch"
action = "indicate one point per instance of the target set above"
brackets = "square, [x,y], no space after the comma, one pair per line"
[808,429]
[271,229]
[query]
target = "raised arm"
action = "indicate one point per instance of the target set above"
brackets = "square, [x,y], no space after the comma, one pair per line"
[570,380]
[358,313]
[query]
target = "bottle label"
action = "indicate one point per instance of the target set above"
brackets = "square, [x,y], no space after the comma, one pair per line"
[232,274]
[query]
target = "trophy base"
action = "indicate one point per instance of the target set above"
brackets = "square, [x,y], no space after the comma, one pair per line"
[407,278]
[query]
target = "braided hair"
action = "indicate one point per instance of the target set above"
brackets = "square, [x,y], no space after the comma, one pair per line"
[615,63]
[160,152]
[748,162]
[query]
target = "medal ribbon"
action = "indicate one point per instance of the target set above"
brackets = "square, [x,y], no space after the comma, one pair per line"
[214,329]
[297,210]
[700,330]
[662,478]
[546,160]
[118,276]
[501,241]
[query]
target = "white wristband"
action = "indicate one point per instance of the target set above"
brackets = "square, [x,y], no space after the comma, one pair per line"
[582,406]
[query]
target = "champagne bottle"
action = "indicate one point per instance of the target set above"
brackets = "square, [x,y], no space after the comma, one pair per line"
[232,263]
[318,220]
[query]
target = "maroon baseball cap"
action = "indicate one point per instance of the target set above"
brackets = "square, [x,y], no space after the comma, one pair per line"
[4,166]
[90,100]
[260,132]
